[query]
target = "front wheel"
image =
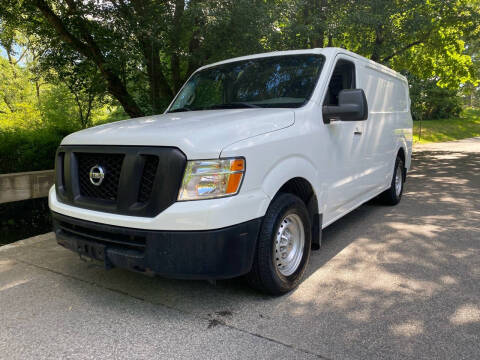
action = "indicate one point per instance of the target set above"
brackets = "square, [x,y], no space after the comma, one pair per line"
[393,195]
[283,246]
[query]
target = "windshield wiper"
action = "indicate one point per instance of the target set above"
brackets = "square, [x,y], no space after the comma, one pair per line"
[185,108]
[234,105]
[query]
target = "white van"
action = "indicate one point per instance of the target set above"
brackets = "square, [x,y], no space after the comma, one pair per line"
[251,160]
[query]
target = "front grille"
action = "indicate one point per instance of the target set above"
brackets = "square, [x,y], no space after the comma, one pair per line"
[111,163]
[137,181]
[148,178]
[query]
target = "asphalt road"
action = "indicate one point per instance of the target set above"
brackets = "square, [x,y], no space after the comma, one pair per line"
[388,282]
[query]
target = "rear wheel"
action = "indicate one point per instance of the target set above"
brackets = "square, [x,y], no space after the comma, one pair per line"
[393,195]
[283,246]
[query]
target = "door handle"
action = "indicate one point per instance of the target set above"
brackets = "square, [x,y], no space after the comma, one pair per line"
[357,132]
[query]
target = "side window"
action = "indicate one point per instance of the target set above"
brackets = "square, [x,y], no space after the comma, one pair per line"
[343,77]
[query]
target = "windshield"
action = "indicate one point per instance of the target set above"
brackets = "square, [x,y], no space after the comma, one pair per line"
[277,81]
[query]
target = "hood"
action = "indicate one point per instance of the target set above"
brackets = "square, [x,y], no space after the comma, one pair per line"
[199,134]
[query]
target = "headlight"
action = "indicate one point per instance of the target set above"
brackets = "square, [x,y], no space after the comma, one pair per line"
[207,179]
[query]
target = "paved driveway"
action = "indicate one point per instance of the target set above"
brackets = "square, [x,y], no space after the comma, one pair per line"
[389,282]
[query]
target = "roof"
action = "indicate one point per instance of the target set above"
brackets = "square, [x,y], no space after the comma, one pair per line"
[328,52]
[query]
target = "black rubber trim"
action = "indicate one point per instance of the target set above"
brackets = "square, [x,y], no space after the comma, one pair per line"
[169,174]
[208,254]
[316,220]
[317,231]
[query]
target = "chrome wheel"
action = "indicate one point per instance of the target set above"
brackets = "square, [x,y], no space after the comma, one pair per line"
[398,179]
[289,244]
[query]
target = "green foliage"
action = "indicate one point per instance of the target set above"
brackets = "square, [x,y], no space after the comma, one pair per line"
[58,108]
[28,149]
[28,102]
[430,101]
[73,64]
[17,97]
[78,81]
[141,52]
[466,126]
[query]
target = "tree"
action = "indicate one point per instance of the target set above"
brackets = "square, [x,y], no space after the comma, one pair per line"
[429,41]
[308,24]
[425,38]
[144,48]
[18,105]
[80,76]
[429,101]
[143,51]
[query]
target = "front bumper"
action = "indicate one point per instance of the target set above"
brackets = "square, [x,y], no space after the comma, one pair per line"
[180,216]
[207,254]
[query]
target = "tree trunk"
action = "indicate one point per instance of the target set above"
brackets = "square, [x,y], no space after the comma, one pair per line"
[7,102]
[91,51]
[159,87]
[79,106]
[319,23]
[318,41]
[8,50]
[330,41]
[158,84]
[37,92]
[377,44]
[177,28]
[91,97]
[193,45]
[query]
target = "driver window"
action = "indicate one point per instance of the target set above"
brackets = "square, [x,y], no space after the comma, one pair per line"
[343,77]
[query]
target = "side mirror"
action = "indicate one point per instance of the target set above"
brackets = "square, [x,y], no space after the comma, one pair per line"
[352,106]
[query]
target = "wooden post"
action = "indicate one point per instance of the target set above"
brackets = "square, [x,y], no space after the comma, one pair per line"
[26,185]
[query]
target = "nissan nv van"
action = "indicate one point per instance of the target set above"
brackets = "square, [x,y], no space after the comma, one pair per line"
[252,159]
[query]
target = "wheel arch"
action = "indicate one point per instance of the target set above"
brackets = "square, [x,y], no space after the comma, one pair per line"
[403,149]
[401,153]
[297,176]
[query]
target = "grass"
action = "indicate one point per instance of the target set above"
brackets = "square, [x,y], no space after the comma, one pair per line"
[466,126]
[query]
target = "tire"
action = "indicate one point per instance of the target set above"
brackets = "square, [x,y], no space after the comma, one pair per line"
[286,219]
[393,195]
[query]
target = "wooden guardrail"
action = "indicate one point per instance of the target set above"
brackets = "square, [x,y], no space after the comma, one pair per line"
[25,185]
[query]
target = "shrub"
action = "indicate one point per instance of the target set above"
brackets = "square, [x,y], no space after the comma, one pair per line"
[430,101]
[29,149]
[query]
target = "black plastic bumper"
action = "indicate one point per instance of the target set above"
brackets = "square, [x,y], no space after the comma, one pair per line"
[209,254]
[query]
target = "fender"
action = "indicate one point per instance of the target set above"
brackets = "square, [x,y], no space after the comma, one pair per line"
[286,169]
[296,167]
[272,172]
